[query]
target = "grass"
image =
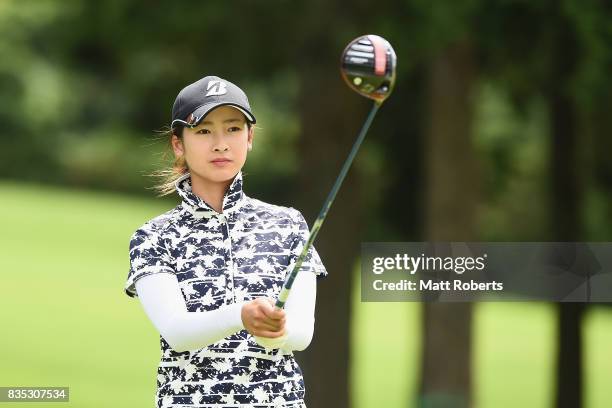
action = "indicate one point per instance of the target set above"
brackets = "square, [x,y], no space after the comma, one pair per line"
[64,261]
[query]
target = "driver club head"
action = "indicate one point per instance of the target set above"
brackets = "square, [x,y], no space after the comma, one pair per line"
[368,67]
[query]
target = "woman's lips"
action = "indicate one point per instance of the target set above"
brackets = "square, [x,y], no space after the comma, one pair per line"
[221,162]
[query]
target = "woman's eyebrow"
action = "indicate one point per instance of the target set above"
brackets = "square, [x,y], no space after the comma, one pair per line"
[233,120]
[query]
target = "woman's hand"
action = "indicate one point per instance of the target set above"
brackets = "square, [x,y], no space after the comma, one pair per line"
[262,319]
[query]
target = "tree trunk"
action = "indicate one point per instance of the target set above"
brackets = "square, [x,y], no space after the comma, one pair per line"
[566,218]
[451,198]
[565,208]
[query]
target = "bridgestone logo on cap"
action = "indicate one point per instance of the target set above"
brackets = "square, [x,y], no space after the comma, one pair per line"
[216,88]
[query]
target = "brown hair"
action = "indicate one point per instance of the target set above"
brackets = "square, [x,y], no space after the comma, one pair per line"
[167,177]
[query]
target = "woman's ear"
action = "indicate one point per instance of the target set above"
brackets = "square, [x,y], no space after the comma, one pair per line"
[177,146]
[250,138]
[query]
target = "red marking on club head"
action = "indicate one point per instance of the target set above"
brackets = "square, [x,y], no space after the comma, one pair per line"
[380,54]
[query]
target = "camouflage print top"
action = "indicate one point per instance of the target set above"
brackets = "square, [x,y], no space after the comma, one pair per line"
[221,258]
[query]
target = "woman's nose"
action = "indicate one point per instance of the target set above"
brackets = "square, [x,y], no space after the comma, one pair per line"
[221,148]
[220,145]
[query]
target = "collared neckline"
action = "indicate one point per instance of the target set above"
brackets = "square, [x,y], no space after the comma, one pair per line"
[199,208]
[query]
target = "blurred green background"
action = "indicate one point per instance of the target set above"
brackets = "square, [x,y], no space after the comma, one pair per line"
[498,130]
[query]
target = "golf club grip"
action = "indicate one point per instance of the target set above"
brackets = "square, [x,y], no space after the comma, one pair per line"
[286,289]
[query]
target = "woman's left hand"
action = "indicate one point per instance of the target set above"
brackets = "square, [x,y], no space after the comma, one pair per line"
[272,342]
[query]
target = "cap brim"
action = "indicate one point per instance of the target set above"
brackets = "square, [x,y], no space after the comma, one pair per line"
[199,114]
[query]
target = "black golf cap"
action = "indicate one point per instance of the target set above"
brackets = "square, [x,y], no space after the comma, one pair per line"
[196,100]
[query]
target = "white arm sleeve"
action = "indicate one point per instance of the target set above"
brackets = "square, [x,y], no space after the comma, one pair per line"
[163,302]
[299,310]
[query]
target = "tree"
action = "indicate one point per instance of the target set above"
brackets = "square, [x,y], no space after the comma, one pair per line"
[452,180]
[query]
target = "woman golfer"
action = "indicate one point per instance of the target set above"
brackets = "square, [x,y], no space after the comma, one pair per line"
[207,272]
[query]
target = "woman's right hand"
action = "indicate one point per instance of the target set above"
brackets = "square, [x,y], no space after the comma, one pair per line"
[262,319]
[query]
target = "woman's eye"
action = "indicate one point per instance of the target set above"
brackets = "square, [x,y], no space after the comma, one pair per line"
[234,129]
[203,131]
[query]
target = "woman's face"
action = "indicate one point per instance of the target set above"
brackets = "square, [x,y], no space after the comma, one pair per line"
[222,134]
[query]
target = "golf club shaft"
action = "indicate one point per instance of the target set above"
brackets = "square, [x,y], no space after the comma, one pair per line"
[284,293]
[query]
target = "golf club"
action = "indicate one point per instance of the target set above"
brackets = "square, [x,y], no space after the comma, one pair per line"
[368,67]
